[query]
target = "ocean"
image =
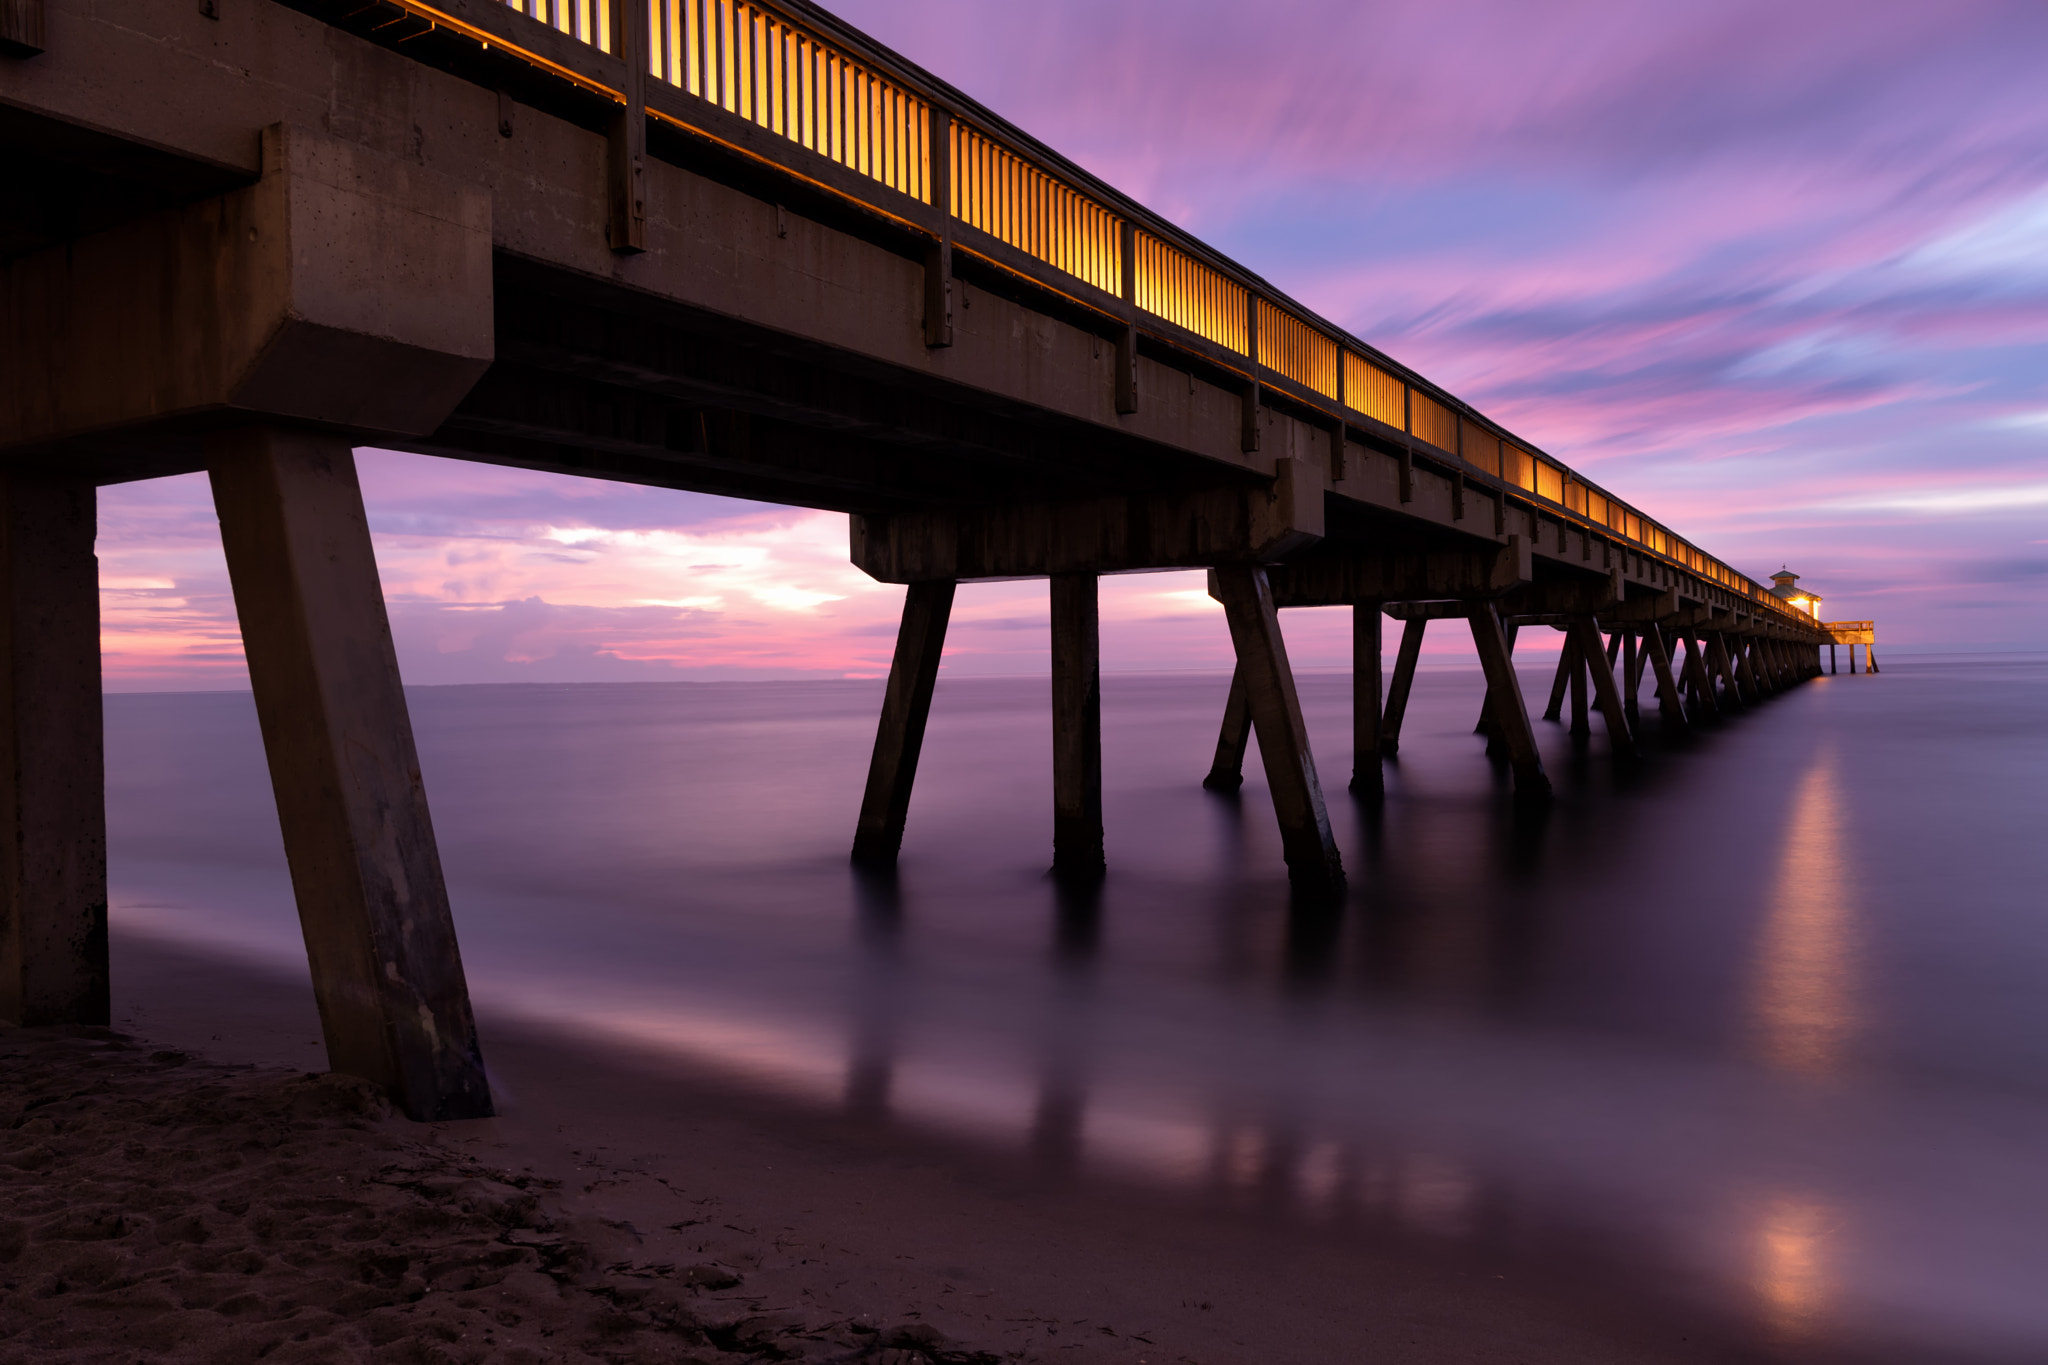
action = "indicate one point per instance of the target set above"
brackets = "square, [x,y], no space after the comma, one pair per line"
[1760,1024]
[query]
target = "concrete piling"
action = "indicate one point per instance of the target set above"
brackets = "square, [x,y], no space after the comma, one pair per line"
[387,975]
[1076,727]
[899,736]
[1313,865]
[53,838]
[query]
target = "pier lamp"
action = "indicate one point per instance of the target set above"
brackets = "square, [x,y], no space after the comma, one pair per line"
[1796,598]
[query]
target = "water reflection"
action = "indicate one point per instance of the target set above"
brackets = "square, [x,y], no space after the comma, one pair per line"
[1791,1275]
[1804,1005]
[1512,1028]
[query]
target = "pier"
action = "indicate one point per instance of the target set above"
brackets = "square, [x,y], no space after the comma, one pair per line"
[716,246]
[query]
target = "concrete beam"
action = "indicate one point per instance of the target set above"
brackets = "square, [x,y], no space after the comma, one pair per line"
[1333,575]
[53,837]
[1102,535]
[344,289]
[372,901]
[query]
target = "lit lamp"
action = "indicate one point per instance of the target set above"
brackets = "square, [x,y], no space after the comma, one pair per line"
[1795,598]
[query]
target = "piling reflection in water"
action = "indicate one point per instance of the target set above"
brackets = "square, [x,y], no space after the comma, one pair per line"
[1625,1028]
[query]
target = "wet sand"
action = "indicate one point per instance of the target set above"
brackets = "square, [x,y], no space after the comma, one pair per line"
[189,1206]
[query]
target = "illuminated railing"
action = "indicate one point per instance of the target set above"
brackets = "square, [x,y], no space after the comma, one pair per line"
[789,79]
[1189,294]
[752,62]
[587,21]
[1015,202]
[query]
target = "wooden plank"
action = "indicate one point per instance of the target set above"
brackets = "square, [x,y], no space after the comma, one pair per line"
[1367,774]
[387,974]
[1531,783]
[1076,727]
[1403,683]
[1311,850]
[53,830]
[899,736]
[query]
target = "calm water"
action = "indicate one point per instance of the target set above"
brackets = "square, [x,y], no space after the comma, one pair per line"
[1768,1020]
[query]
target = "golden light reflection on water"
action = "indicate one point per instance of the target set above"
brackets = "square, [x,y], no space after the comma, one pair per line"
[1791,1262]
[1803,1003]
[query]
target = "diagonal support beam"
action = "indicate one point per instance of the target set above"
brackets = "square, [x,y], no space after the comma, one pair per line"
[1531,783]
[1311,850]
[1620,738]
[1226,773]
[387,974]
[1668,700]
[899,737]
[1403,683]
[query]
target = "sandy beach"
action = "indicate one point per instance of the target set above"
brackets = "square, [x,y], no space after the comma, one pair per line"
[182,1189]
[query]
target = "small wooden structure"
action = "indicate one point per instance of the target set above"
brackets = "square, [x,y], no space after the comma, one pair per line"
[1852,634]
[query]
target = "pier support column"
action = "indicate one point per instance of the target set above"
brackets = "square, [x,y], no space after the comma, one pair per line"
[1705,703]
[1582,725]
[1402,684]
[1631,677]
[53,826]
[1367,777]
[899,736]
[1620,738]
[1311,850]
[1870,656]
[386,972]
[1563,680]
[1226,773]
[1531,783]
[1076,727]
[1668,700]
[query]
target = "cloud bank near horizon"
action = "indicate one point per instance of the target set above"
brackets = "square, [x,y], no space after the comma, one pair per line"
[1776,273]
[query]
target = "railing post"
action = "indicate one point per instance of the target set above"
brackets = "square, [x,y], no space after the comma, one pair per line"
[1127,340]
[1248,436]
[938,261]
[626,163]
[1408,446]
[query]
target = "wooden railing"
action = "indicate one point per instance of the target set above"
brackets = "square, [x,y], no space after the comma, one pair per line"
[795,72]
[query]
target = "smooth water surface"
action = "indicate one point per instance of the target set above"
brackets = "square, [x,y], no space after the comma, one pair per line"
[1766,1020]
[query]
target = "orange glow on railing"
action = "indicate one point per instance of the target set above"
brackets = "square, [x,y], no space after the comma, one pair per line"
[1431,421]
[1372,391]
[756,64]
[1013,201]
[1480,447]
[1299,351]
[1175,286]
[587,21]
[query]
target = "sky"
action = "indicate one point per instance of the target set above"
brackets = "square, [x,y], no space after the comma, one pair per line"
[1776,273]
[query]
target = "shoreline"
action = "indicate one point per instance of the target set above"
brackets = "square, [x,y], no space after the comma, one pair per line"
[835,1226]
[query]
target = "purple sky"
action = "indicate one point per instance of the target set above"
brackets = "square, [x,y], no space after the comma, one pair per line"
[1777,273]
